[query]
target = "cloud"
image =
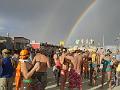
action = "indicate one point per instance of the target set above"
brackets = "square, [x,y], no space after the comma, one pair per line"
[2,28]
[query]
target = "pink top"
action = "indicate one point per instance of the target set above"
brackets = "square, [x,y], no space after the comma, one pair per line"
[58,64]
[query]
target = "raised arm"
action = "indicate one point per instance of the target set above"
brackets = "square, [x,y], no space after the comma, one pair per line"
[48,63]
[25,72]
[62,57]
[34,60]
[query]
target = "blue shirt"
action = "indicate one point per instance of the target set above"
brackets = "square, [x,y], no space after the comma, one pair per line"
[7,68]
[106,65]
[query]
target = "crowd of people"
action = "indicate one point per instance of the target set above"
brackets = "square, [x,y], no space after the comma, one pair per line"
[95,65]
[28,69]
[20,68]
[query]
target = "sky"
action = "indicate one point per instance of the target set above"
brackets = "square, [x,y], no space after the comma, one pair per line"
[101,19]
[56,20]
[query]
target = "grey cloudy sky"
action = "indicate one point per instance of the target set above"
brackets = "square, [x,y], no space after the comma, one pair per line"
[52,20]
[102,18]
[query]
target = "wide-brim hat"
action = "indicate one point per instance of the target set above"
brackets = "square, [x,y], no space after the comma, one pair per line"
[5,51]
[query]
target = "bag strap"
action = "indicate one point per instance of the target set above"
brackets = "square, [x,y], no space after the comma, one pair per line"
[14,64]
[18,76]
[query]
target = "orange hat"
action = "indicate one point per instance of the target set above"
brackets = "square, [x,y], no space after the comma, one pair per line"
[24,54]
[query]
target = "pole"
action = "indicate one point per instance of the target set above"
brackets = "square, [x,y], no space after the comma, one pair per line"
[7,34]
[103,42]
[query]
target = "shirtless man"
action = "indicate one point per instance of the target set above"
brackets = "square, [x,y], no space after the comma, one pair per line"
[86,64]
[64,70]
[75,71]
[44,65]
[101,53]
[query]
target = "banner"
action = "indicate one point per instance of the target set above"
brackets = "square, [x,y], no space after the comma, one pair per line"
[62,43]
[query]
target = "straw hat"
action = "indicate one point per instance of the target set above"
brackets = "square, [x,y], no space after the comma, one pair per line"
[5,51]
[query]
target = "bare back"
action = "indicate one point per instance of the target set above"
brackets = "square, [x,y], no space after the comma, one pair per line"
[63,60]
[44,62]
[77,62]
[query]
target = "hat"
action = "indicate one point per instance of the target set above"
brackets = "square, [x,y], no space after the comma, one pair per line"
[5,51]
[24,52]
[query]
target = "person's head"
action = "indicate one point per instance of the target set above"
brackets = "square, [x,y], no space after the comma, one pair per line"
[98,66]
[107,55]
[5,53]
[72,53]
[113,57]
[117,51]
[93,51]
[76,51]
[16,53]
[90,59]
[38,51]
[64,50]
[58,53]
[24,54]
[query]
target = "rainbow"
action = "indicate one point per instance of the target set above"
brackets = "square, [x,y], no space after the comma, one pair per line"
[81,17]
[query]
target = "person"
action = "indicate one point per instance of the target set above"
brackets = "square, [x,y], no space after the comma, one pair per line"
[96,73]
[7,70]
[117,56]
[64,70]
[85,64]
[93,66]
[15,57]
[57,67]
[118,67]
[32,54]
[74,76]
[1,69]
[24,78]
[107,68]
[101,54]
[41,74]
[0,55]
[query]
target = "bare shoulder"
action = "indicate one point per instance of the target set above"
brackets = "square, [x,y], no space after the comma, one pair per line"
[23,66]
[80,57]
[44,57]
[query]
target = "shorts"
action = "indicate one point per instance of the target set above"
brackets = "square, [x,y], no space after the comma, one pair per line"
[33,85]
[42,77]
[74,79]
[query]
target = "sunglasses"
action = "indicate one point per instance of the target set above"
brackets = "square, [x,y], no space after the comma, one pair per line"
[7,52]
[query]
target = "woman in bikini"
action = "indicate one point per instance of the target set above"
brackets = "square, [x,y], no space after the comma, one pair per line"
[24,73]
